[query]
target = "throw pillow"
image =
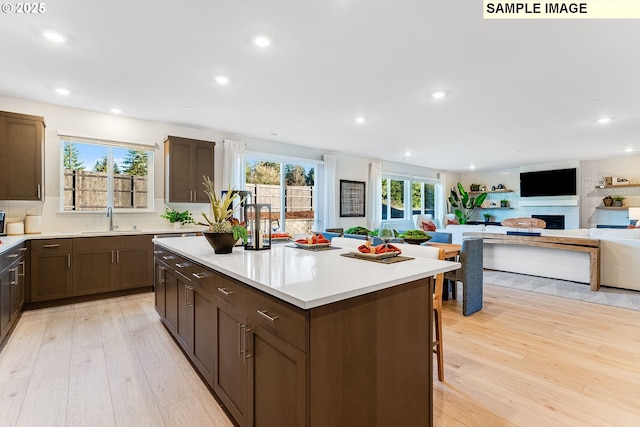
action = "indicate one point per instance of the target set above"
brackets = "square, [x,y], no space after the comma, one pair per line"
[428,226]
[452,222]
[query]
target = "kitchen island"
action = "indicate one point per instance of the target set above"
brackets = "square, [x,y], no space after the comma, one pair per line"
[295,337]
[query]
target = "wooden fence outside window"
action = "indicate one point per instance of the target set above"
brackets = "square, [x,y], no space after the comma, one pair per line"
[87,191]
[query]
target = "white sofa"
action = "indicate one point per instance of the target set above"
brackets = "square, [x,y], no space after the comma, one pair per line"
[619,255]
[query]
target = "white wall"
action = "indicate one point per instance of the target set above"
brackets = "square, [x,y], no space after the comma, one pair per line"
[109,126]
[585,214]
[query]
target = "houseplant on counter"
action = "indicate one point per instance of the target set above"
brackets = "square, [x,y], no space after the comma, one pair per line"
[224,230]
[464,204]
[177,218]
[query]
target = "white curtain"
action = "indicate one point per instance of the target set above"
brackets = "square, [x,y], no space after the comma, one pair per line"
[233,164]
[441,200]
[330,190]
[374,196]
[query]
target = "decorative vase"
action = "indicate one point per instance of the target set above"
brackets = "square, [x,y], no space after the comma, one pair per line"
[222,243]
[617,203]
[608,201]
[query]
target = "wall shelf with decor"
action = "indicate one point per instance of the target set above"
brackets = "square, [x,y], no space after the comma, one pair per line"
[496,208]
[617,186]
[491,191]
[613,208]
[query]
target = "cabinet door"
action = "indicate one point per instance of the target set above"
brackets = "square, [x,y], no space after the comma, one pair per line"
[133,262]
[159,285]
[21,145]
[178,170]
[277,380]
[6,277]
[171,300]
[230,371]
[93,261]
[51,269]
[184,328]
[203,332]
[203,166]
[17,290]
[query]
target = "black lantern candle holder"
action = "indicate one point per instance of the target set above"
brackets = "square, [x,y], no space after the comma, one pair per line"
[258,219]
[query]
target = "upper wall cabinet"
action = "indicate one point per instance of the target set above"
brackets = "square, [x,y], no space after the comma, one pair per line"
[186,161]
[21,159]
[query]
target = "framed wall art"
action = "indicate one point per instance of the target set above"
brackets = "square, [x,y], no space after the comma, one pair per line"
[352,198]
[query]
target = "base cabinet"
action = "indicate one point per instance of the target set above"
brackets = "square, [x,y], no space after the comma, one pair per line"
[62,268]
[364,361]
[12,287]
[51,274]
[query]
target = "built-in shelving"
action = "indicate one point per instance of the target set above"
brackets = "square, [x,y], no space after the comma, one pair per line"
[613,208]
[617,186]
[491,191]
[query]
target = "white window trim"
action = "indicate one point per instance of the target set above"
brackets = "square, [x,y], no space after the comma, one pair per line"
[408,209]
[71,137]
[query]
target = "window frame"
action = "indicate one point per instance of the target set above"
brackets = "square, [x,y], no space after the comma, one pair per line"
[109,145]
[407,196]
[318,187]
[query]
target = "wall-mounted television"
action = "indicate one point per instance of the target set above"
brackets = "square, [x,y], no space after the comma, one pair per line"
[558,182]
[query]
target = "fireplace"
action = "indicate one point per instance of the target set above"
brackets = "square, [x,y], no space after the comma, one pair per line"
[554,222]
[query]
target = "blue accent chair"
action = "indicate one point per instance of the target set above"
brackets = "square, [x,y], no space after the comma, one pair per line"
[440,237]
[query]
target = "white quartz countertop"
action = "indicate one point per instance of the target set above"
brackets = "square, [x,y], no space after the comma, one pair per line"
[304,278]
[7,242]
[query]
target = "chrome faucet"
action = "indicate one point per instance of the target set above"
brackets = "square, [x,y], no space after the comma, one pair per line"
[110,215]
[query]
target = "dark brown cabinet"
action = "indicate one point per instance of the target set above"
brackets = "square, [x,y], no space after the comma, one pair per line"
[103,264]
[186,161]
[62,268]
[12,284]
[51,274]
[243,343]
[21,159]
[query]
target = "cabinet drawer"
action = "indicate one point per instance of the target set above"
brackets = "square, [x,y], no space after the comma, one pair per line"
[14,254]
[51,246]
[202,278]
[284,320]
[228,291]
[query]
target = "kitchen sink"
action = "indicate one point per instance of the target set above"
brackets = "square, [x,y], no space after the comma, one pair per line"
[106,232]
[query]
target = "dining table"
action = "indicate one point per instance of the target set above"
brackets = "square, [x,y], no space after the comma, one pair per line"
[451,250]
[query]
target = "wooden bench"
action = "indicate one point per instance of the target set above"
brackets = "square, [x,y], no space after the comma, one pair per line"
[577,244]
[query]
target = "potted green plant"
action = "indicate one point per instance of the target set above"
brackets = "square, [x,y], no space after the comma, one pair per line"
[464,204]
[504,203]
[224,230]
[487,217]
[177,218]
[618,201]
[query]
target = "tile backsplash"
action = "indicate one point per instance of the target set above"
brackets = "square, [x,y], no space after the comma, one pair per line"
[16,210]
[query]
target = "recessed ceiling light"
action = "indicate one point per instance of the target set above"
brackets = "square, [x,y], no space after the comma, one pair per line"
[116,111]
[63,91]
[628,150]
[360,120]
[438,94]
[222,80]
[472,167]
[262,41]
[55,37]
[604,120]
[407,153]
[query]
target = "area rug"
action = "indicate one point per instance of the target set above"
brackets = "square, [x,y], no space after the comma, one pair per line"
[614,297]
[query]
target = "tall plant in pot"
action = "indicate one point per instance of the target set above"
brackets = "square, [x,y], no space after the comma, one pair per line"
[463,204]
[224,230]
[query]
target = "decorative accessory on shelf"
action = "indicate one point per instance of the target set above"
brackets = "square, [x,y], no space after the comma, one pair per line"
[607,201]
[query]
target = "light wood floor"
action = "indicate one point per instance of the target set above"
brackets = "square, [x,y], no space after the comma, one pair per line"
[102,363]
[529,359]
[526,359]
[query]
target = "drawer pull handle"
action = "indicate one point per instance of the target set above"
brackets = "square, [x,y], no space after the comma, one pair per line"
[51,246]
[168,257]
[182,265]
[225,291]
[199,275]
[12,256]
[22,249]
[157,252]
[264,314]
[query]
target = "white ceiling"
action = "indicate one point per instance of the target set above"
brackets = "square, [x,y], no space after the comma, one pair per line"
[518,92]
